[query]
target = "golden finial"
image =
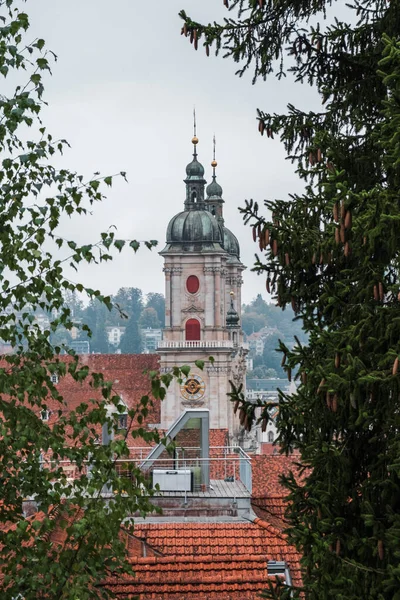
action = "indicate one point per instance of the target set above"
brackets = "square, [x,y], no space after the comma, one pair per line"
[195,139]
[214,162]
[232,293]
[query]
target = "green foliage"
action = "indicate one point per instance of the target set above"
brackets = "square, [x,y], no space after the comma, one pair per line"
[332,254]
[252,322]
[149,318]
[157,301]
[35,196]
[131,341]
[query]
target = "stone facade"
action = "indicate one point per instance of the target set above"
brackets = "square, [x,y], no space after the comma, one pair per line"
[209,256]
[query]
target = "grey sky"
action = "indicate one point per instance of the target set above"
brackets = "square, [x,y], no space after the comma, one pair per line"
[122,93]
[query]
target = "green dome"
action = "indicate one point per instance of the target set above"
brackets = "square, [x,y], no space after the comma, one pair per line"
[231,244]
[214,189]
[194,227]
[232,317]
[195,170]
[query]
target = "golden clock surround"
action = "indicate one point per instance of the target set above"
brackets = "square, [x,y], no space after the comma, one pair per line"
[193,387]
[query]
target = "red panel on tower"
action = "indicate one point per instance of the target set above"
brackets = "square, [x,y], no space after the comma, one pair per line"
[192,284]
[192,330]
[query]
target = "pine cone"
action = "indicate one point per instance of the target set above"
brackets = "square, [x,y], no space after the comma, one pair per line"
[380,550]
[395,366]
[328,400]
[342,233]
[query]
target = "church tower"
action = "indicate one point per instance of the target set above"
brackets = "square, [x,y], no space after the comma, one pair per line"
[203,278]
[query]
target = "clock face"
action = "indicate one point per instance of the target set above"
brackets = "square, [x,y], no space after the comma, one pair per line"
[193,387]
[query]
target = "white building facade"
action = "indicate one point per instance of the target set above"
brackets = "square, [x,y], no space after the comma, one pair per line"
[203,278]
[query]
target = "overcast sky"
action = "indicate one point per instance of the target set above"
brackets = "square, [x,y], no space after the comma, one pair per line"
[123,92]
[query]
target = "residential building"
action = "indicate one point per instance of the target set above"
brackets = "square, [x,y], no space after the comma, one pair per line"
[151,338]
[114,334]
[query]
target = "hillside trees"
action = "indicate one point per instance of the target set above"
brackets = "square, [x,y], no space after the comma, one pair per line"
[131,341]
[332,253]
[35,195]
[157,301]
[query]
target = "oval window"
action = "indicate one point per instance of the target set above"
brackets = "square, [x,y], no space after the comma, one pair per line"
[192,284]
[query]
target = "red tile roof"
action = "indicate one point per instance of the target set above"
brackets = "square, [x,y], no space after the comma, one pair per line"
[266,472]
[126,371]
[218,437]
[205,561]
[241,543]
[196,578]
[271,510]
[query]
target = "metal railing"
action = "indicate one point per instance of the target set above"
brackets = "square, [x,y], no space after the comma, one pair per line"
[196,344]
[226,464]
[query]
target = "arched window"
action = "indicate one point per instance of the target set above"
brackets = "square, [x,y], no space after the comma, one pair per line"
[270,436]
[194,196]
[192,284]
[192,330]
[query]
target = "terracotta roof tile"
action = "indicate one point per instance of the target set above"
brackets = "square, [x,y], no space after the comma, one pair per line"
[205,577]
[223,543]
[271,510]
[266,472]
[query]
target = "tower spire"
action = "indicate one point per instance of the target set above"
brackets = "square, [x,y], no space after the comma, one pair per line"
[195,139]
[195,181]
[214,191]
[214,162]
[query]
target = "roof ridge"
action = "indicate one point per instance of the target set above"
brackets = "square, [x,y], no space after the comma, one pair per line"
[198,559]
[266,525]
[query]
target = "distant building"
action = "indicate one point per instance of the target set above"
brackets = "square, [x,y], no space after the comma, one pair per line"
[249,363]
[256,343]
[151,338]
[115,334]
[263,387]
[42,321]
[80,347]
